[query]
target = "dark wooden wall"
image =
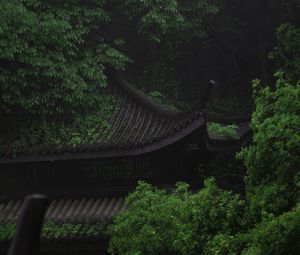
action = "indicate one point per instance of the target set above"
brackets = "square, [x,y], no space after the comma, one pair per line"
[177,162]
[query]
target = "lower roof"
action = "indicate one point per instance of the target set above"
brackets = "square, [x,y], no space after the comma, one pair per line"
[69,210]
[243,133]
[225,144]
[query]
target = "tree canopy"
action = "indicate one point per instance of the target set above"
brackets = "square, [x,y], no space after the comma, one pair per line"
[54,54]
[53,57]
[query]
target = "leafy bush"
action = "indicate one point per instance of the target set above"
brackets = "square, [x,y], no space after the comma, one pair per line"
[54,231]
[273,160]
[219,131]
[46,68]
[162,99]
[181,222]
[275,235]
[169,17]
[286,55]
[7,232]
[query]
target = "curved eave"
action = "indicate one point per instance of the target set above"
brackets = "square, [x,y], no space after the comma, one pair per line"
[150,104]
[110,153]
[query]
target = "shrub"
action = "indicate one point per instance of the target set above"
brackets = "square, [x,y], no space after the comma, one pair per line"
[273,160]
[219,131]
[181,222]
[276,235]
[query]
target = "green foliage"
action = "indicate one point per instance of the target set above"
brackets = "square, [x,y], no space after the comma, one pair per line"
[181,222]
[53,57]
[54,231]
[223,244]
[220,131]
[211,221]
[159,19]
[275,235]
[163,100]
[273,160]
[7,232]
[287,52]
[170,27]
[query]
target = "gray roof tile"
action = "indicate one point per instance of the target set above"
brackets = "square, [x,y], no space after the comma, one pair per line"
[71,210]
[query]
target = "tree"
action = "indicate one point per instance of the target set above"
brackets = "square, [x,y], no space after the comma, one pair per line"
[53,57]
[180,222]
[286,54]
[273,160]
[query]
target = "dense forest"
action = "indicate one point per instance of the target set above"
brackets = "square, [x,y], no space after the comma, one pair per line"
[56,58]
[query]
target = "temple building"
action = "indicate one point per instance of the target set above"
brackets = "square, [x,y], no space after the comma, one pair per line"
[87,183]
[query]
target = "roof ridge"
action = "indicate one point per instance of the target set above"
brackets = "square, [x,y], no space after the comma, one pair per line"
[149,103]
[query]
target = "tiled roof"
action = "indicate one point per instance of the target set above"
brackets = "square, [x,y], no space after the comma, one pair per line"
[78,220]
[75,210]
[137,125]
